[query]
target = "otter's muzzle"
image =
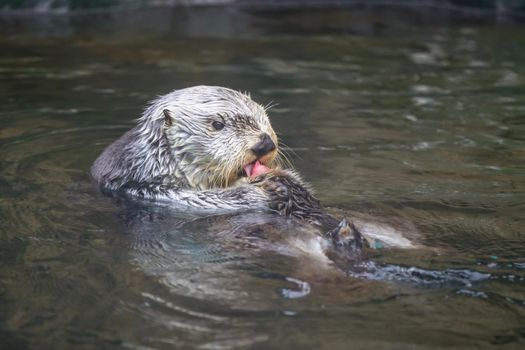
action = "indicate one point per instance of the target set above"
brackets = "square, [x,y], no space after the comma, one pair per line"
[263,147]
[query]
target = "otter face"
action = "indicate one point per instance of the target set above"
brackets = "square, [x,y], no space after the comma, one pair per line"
[214,133]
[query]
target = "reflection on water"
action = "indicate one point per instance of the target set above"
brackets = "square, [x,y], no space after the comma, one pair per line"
[415,129]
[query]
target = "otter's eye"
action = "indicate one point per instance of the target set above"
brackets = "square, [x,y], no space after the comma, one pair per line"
[217,125]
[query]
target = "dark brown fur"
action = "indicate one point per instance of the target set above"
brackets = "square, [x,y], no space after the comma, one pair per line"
[294,199]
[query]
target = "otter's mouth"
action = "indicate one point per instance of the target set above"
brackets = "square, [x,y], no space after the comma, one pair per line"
[255,168]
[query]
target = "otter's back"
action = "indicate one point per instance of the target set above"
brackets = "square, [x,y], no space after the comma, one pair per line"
[109,169]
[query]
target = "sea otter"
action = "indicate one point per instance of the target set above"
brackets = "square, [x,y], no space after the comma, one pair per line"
[189,147]
[211,149]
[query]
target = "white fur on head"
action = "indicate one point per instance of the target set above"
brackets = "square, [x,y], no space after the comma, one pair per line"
[205,157]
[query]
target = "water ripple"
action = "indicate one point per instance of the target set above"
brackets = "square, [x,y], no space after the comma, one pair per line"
[418,276]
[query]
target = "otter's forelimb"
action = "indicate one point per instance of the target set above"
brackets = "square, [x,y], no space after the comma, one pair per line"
[241,197]
[238,198]
[294,199]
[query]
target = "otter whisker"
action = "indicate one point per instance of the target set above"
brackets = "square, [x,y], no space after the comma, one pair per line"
[283,160]
[288,151]
[270,105]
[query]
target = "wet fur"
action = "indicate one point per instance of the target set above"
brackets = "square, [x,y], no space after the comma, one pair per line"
[175,155]
[295,200]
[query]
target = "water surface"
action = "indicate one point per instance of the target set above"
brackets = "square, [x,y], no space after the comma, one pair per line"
[420,127]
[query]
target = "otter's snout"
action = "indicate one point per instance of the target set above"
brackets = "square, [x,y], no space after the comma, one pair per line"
[263,147]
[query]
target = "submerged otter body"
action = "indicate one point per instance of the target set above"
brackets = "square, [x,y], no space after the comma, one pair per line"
[212,149]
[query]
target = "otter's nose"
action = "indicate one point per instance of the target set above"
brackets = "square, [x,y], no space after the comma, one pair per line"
[264,146]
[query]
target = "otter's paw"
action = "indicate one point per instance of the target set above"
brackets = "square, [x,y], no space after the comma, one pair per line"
[347,242]
[279,196]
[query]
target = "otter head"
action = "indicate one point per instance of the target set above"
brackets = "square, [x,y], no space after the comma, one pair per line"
[213,134]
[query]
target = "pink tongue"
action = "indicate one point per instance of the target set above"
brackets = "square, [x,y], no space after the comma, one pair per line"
[256,169]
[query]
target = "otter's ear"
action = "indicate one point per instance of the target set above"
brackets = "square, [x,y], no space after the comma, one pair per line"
[168,118]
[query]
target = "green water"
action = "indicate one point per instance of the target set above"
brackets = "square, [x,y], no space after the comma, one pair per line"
[406,119]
